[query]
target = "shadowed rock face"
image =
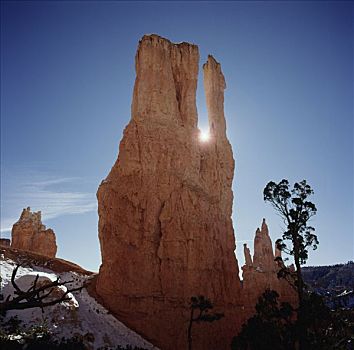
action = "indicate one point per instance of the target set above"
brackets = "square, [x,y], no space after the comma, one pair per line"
[5,242]
[28,233]
[165,225]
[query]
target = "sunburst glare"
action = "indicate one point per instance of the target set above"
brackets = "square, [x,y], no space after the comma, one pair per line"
[204,135]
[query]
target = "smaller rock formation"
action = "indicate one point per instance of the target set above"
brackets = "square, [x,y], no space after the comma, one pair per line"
[248,258]
[260,272]
[28,233]
[5,242]
[277,251]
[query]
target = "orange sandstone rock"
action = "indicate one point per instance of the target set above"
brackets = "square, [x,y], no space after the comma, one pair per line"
[165,225]
[28,233]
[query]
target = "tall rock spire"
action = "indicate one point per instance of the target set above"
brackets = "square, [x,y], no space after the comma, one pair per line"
[165,208]
[214,86]
[217,155]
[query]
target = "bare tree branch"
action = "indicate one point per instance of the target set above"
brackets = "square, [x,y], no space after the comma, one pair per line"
[35,296]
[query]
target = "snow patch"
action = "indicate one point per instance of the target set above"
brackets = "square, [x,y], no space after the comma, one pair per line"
[81,316]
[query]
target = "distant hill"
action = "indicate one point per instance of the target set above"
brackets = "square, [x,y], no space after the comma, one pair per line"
[335,283]
[335,277]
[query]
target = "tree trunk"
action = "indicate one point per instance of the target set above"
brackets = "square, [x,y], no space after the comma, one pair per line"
[300,292]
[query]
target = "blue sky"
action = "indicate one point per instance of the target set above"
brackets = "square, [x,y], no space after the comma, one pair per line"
[67,74]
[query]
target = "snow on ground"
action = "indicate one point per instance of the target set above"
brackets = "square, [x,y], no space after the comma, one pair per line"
[83,315]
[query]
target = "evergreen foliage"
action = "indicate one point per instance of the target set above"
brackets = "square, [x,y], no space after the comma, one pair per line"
[274,327]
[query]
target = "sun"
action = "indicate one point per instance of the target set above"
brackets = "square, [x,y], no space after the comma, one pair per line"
[204,135]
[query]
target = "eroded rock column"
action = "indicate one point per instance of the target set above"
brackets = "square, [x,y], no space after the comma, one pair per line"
[28,233]
[165,224]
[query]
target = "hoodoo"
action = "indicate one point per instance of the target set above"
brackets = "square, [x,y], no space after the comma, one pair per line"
[165,225]
[28,233]
[165,208]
